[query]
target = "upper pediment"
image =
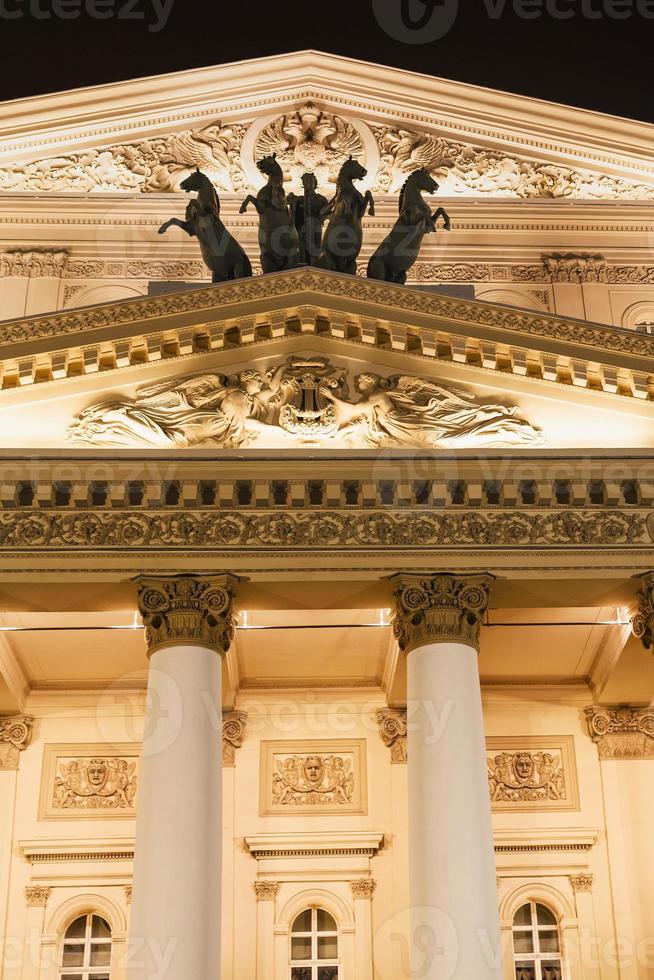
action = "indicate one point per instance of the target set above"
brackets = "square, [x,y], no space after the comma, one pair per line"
[314,110]
[310,358]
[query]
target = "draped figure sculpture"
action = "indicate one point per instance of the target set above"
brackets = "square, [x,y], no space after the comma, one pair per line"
[411,411]
[305,399]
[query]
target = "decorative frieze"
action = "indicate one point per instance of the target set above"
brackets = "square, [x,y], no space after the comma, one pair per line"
[576,268]
[34,263]
[37,896]
[642,621]
[187,609]
[581,883]
[439,608]
[266,891]
[393,732]
[15,734]
[363,888]
[234,723]
[87,781]
[622,733]
[315,777]
[532,773]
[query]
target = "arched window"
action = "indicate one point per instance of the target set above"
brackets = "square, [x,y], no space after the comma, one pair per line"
[86,951]
[536,943]
[314,946]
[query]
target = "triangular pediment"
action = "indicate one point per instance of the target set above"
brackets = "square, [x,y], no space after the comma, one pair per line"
[276,363]
[313,110]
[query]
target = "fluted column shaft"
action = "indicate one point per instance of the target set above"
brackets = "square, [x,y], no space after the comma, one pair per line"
[455,930]
[176,914]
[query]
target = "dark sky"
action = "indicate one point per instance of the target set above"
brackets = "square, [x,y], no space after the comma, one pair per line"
[591,60]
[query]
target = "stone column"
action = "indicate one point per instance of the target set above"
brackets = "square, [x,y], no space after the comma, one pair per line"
[175,920]
[455,929]
[362,892]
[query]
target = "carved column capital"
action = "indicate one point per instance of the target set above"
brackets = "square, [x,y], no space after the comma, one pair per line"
[393,732]
[15,734]
[642,622]
[187,609]
[622,733]
[363,888]
[581,882]
[234,723]
[439,608]
[266,890]
[128,894]
[37,896]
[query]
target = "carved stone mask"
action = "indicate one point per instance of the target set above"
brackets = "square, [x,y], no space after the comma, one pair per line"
[524,767]
[314,770]
[98,772]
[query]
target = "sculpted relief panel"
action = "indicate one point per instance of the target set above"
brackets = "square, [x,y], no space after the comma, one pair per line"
[83,781]
[313,777]
[304,400]
[309,138]
[532,773]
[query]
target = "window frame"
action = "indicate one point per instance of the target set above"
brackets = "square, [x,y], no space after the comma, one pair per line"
[535,929]
[87,970]
[314,964]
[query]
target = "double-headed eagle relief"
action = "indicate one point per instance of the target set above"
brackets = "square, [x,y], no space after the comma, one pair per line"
[305,401]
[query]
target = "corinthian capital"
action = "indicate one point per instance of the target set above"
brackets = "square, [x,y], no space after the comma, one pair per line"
[187,609]
[439,608]
[642,621]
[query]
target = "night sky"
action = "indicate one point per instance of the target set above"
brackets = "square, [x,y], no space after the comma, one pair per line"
[591,60]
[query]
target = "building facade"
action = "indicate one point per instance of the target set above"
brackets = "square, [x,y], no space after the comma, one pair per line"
[326,604]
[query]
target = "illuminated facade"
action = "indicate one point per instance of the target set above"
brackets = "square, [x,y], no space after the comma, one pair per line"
[333,506]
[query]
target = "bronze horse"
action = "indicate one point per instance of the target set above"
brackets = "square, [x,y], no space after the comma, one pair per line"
[399,250]
[278,238]
[342,240]
[221,252]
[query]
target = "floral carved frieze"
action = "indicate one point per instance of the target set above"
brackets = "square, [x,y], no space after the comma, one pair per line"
[234,723]
[393,732]
[305,400]
[622,733]
[313,777]
[532,773]
[88,781]
[576,268]
[15,734]
[32,264]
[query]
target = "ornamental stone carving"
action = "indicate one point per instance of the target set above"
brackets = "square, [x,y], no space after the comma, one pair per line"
[581,883]
[15,734]
[642,621]
[313,780]
[363,888]
[33,263]
[95,784]
[187,609]
[463,168]
[266,891]
[393,732]
[622,733]
[576,268]
[152,165]
[128,894]
[525,777]
[310,140]
[439,608]
[37,896]
[302,400]
[233,733]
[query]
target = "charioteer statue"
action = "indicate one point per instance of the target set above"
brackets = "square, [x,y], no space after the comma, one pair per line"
[309,214]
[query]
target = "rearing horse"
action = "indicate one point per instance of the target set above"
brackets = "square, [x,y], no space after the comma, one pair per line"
[221,252]
[278,238]
[399,250]
[343,238]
